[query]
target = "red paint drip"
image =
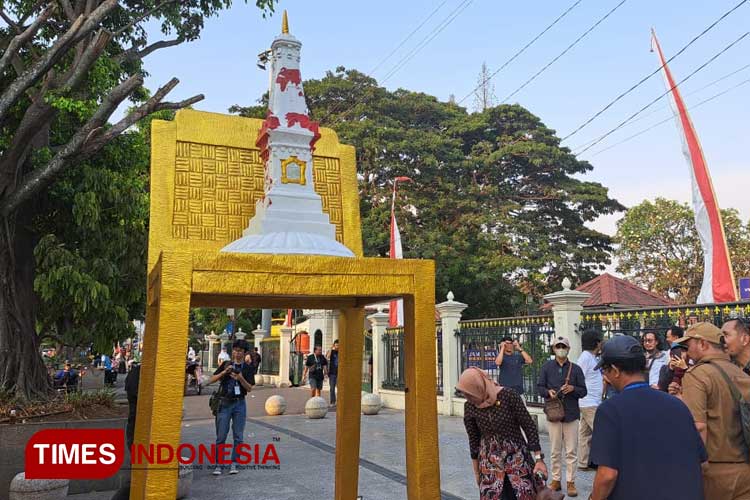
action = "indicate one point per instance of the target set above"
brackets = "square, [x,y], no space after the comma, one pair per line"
[305,122]
[271,122]
[287,76]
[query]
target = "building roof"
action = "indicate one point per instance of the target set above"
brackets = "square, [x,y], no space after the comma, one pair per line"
[609,291]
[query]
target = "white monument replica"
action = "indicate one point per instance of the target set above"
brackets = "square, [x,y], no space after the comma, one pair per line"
[290,218]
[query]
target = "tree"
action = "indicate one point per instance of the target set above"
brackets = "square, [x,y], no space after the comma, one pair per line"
[659,249]
[66,66]
[484,94]
[493,201]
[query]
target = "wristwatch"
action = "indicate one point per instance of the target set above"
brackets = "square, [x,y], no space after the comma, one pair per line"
[538,456]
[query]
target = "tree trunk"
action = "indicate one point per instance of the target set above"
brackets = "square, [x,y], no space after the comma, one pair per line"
[22,369]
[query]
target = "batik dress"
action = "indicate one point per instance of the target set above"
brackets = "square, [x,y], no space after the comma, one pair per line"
[496,440]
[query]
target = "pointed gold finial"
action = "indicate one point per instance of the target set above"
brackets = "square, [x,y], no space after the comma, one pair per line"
[284,24]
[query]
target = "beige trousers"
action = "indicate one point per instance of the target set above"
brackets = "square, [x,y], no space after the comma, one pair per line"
[726,481]
[563,433]
[585,432]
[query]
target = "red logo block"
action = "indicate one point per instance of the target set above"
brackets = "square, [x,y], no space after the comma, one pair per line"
[75,453]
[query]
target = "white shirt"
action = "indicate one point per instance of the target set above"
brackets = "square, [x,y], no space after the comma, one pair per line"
[587,362]
[223,356]
[656,364]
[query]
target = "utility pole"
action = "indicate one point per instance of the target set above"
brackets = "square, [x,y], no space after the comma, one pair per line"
[484,95]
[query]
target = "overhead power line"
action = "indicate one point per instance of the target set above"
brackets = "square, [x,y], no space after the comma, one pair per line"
[407,38]
[647,77]
[653,101]
[666,106]
[337,108]
[523,49]
[427,39]
[671,118]
[567,49]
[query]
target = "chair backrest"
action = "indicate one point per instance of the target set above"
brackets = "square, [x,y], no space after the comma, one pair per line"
[207,175]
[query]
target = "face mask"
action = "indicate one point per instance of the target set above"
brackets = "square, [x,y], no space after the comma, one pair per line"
[561,353]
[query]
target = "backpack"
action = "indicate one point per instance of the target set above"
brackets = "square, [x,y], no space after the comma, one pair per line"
[744,408]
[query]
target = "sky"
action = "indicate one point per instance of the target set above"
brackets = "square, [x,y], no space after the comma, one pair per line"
[608,61]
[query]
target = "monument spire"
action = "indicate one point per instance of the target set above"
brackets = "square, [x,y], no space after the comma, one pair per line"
[284,24]
[290,218]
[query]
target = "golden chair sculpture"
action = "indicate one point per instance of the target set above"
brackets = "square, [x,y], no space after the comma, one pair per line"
[296,186]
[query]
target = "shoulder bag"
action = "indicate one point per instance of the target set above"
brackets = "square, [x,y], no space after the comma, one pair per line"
[553,407]
[743,406]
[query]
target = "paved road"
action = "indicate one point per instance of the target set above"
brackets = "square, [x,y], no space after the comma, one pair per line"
[306,451]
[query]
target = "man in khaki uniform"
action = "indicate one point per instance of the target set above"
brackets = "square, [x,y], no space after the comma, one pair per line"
[706,393]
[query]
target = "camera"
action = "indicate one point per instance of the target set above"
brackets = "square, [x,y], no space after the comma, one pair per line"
[235,369]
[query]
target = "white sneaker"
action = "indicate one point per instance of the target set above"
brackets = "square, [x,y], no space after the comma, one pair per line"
[233,469]
[217,471]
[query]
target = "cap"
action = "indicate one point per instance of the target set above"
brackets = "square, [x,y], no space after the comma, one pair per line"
[702,330]
[561,340]
[619,348]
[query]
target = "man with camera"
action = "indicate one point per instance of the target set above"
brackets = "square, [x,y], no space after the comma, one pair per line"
[510,364]
[236,380]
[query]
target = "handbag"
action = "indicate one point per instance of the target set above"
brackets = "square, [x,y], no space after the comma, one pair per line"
[744,409]
[553,407]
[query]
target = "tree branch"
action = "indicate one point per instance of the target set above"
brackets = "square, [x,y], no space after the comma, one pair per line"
[91,53]
[40,178]
[142,17]
[152,105]
[134,53]
[22,38]
[80,28]
[70,13]
[10,22]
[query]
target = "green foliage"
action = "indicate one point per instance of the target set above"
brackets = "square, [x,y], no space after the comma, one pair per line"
[495,200]
[91,259]
[659,248]
[84,399]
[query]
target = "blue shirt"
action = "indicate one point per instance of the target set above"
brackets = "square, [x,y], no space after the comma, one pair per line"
[510,373]
[107,362]
[649,437]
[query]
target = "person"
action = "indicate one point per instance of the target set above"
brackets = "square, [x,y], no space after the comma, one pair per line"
[191,353]
[223,356]
[236,380]
[315,369]
[591,341]
[332,357]
[132,380]
[561,378]
[630,440]
[256,358]
[110,376]
[707,392]
[655,358]
[673,334]
[674,371]
[737,338]
[67,378]
[510,364]
[505,462]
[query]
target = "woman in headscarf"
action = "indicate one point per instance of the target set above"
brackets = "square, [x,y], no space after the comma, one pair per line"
[505,463]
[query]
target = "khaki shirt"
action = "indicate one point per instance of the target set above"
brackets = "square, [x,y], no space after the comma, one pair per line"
[707,395]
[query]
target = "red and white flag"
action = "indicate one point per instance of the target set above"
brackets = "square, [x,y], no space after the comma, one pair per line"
[288,320]
[396,309]
[718,279]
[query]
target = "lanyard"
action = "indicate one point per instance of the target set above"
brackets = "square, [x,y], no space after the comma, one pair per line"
[637,385]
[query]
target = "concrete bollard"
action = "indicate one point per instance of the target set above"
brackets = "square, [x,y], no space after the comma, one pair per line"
[37,489]
[371,404]
[275,405]
[316,407]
